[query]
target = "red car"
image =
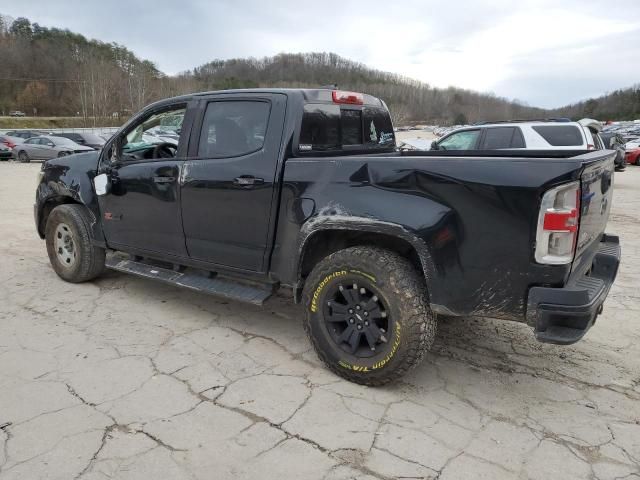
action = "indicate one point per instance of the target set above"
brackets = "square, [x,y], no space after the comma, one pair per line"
[633,156]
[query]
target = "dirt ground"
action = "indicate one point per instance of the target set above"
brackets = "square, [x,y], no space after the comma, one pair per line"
[125,378]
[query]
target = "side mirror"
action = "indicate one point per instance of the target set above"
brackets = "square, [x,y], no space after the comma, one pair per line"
[102,184]
[434,145]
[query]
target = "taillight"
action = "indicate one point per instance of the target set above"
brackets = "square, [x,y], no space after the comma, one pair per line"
[558,225]
[353,98]
[9,143]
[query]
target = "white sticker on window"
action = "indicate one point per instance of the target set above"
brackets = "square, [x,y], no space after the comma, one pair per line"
[305,147]
[373,134]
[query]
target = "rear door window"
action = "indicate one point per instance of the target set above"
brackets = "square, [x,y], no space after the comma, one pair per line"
[502,137]
[497,138]
[233,128]
[560,135]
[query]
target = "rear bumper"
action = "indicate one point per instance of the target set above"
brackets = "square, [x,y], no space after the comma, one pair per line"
[563,315]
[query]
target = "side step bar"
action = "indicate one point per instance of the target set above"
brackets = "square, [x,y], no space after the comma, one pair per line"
[222,287]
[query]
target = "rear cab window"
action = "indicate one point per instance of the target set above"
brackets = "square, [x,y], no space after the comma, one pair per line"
[334,128]
[560,135]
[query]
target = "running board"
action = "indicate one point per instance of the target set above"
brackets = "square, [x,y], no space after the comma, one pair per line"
[222,287]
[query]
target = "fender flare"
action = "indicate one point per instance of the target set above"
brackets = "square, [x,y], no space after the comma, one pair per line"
[50,194]
[362,224]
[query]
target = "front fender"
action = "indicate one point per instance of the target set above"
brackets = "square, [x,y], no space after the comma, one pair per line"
[69,179]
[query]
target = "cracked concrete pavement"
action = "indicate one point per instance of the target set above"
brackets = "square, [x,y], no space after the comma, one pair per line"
[125,378]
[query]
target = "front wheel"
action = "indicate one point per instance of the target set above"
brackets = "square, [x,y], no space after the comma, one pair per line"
[68,236]
[367,314]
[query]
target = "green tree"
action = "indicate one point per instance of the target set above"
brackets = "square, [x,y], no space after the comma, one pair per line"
[21,27]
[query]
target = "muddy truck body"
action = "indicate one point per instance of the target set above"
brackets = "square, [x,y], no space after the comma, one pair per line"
[239,193]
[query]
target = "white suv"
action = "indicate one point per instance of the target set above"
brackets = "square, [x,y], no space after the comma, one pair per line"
[530,135]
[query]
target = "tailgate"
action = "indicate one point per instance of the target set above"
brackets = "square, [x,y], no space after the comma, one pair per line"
[595,205]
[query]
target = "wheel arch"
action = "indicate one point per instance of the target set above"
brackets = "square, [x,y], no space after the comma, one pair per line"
[46,207]
[317,243]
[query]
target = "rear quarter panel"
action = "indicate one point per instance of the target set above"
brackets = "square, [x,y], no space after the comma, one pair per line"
[473,218]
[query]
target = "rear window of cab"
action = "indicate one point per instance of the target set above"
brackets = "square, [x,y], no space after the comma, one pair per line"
[328,127]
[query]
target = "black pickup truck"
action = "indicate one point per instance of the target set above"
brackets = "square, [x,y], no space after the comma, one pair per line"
[240,192]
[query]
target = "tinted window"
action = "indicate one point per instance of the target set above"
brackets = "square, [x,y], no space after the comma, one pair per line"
[328,127]
[517,141]
[231,129]
[377,127]
[497,138]
[560,135]
[351,127]
[465,140]
[320,128]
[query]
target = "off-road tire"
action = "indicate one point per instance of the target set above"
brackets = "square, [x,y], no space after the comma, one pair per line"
[89,260]
[404,292]
[23,157]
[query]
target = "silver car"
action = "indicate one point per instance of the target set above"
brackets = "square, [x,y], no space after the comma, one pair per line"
[46,147]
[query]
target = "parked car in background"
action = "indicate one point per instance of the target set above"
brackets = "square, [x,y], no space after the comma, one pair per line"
[46,147]
[24,134]
[615,141]
[633,156]
[17,113]
[530,135]
[10,142]
[632,144]
[6,152]
[82,138]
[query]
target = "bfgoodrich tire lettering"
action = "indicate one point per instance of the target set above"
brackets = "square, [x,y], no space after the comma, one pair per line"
[71,253]
[400,294]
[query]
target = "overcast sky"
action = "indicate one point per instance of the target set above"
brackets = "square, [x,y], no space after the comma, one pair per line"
[546,53]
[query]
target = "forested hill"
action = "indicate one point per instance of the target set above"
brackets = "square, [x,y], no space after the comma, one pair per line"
[408,99]
[55,72]
[619,105]
[50,71]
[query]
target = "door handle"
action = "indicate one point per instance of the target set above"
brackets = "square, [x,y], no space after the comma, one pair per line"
[164,179]
[248,181]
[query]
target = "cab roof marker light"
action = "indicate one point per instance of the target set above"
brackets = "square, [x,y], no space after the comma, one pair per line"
[350,98]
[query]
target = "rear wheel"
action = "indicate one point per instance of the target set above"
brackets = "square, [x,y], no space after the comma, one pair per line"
[367,314]
[23,157]
[71,253]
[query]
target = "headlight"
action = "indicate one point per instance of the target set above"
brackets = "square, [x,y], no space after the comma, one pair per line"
[39,177]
